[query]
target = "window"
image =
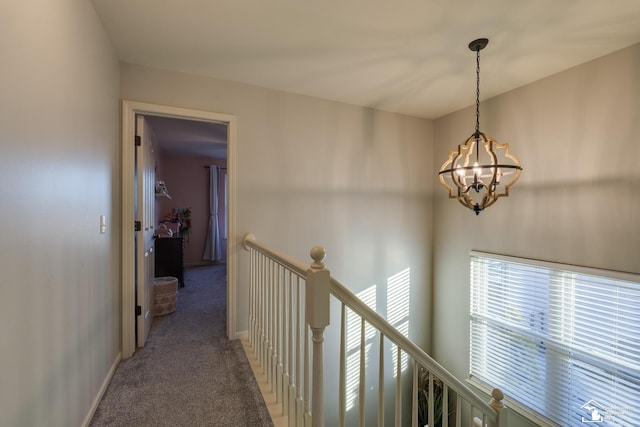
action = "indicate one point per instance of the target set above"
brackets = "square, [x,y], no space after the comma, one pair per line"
[558,340]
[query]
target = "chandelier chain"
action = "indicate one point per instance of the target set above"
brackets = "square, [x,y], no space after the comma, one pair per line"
[477,92]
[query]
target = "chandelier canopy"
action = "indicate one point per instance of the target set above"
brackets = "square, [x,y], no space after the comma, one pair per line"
[480,170]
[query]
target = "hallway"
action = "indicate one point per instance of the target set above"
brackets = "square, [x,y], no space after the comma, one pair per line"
[188,373]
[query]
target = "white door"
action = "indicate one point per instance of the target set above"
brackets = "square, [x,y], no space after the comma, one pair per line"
[145,202]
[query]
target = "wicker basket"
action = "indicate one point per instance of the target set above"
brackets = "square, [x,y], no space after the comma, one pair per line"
[165,295]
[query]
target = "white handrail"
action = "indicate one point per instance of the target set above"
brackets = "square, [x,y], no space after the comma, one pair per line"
[294,265]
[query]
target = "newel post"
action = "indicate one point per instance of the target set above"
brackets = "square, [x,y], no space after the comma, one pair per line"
[496,403]
[317,312]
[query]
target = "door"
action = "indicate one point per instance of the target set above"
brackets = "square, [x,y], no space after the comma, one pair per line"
[130,110]
[145,217]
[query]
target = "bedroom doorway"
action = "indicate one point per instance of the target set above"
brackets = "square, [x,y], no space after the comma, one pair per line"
[129,111]
[191,169]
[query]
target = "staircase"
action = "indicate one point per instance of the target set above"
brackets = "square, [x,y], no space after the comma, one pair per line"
[384,378]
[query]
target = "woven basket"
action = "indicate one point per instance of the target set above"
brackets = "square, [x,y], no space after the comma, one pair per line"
[165,295]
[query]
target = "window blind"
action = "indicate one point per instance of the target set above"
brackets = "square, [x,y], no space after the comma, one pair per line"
[563,341]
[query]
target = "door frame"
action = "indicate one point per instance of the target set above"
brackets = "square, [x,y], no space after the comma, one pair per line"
[129,111]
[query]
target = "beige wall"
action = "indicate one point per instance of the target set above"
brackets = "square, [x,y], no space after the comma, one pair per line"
[317,172]
[313,172]
[59,171]
[577,201]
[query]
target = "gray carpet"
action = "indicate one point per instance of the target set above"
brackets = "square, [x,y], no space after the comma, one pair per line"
[188,373]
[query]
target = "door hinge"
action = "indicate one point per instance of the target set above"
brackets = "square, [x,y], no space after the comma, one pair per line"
[138,141]
[138,226]
[138,310]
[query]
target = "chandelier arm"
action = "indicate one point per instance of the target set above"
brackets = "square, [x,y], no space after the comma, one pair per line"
[483,166]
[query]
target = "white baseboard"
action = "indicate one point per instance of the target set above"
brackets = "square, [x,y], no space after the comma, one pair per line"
[242,335]
[103,389]
[270,399]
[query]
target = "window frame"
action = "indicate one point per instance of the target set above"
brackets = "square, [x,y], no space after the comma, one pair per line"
[555,272]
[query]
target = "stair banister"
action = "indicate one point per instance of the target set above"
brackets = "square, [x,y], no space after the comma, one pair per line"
[316,312]
[318,286]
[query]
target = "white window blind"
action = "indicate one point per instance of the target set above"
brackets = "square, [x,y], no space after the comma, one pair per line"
[563,341]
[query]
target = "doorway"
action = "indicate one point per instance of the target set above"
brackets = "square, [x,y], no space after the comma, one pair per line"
[129,111]
[191,169]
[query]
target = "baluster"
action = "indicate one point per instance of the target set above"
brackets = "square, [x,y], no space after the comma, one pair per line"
[272,327]
[269,325]
[262,315]
[362,378]
[265,315]
[267,320]
[256,301]
[342,392]
[430,410]
[399,388]
[250,295]
[277,332]
[445,405]
[414,394]
[472,421]
[289,353]
[381,383]
[300,344]
[284,340]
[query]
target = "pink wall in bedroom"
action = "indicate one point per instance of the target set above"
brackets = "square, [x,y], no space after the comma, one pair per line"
[187,182]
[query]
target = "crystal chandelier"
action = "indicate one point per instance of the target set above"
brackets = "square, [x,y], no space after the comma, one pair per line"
[481,169]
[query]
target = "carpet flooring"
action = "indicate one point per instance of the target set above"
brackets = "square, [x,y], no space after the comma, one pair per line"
[188,373]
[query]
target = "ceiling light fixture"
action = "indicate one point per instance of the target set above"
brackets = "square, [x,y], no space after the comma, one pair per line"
[477,180]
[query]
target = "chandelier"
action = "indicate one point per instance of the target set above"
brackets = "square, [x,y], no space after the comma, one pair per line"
[480,170]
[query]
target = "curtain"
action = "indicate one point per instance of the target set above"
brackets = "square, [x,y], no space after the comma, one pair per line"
[212,249]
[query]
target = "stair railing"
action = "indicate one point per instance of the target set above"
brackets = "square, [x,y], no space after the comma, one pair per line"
[289,300]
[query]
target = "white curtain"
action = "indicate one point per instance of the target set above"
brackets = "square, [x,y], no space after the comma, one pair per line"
[212,249]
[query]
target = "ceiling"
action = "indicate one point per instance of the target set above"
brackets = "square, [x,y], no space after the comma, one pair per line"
[190,137]
[406,56]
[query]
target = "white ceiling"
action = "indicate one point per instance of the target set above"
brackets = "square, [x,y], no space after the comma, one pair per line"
[405,56]
[190,137]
